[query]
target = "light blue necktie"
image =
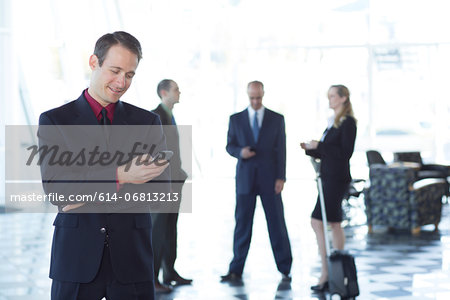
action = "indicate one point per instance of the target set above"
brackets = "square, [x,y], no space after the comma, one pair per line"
[255,127]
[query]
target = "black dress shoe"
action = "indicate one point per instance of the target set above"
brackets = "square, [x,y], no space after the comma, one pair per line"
[177,280]
[231,277]
[162,289]
[286,278]
[320,287]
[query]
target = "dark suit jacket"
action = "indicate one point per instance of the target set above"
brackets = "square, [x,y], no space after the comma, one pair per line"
[269,163]
[173,144]
[78,240]
[336,150]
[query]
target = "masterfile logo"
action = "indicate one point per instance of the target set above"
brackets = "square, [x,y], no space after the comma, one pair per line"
[53,164]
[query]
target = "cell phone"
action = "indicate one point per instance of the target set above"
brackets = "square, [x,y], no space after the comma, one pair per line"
[162,155]
[253,149]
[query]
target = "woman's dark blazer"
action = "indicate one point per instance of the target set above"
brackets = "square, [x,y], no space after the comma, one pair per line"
[336,150]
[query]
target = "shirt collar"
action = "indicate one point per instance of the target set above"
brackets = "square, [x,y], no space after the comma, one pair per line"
[97,107]
[330,121]
[259,111]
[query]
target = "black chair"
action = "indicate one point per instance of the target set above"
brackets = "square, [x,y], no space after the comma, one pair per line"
[374,157]
[353,191]
[352,205]
[426,170]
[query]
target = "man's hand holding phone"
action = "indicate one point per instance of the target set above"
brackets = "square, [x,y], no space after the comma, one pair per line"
[164,156]
[142,170]
[139,171]
[247,152]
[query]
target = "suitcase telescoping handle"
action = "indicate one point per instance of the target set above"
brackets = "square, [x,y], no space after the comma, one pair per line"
[316,164]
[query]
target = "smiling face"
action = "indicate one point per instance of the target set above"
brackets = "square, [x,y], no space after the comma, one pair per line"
[113,78]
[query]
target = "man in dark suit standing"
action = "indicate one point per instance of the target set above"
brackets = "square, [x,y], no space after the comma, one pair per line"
[106,253]
[256,137]
[164,234]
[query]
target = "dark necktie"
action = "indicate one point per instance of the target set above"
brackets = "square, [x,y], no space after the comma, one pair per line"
[104,120]
[255,127]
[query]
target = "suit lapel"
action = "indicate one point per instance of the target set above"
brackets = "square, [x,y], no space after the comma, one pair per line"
[265,123]
[118,135]
[119,114]
[83,113]
[246,126]
[163,115]
[85,116]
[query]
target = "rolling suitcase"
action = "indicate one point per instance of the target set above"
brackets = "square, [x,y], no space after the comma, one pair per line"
[342,278]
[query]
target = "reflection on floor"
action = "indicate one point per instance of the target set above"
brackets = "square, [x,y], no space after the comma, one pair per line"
[390,265]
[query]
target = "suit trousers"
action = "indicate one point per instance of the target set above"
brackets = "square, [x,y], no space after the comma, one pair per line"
[104,285]
[279,239]
[164,240]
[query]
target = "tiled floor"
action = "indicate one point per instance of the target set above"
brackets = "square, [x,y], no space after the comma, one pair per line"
[390,265]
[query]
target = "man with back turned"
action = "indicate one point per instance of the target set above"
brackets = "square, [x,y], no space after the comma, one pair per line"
[164,234]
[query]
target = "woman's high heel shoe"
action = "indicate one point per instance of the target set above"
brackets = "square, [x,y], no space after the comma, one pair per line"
[320,287]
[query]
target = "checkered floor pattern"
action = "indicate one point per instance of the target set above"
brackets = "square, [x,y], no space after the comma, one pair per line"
[391,265]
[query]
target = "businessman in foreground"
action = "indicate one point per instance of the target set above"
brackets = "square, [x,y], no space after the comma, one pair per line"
[103,249]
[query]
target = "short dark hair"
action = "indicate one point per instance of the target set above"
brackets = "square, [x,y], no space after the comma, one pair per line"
[164,85]
[255,82]
[119,37]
